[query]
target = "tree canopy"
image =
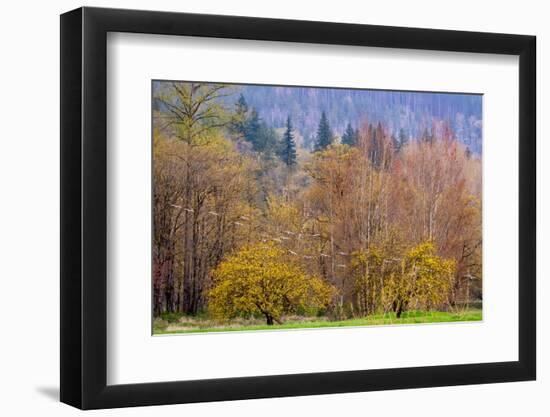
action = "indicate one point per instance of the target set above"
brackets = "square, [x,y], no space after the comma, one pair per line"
[262,279]
[424,279]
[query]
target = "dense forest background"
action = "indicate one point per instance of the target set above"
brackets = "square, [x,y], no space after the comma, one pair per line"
[291,203]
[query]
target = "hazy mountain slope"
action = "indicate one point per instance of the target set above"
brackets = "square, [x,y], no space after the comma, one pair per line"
[411,111]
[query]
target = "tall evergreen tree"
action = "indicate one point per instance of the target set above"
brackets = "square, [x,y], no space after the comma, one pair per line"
[324,134]
[253,129]
[288,151]
[350,136]
[240,118]
[241,107]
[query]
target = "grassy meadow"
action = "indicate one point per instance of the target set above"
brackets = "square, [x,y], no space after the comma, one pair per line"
[179,323]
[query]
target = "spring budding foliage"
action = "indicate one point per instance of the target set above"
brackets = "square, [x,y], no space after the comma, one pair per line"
[254,220]
[262,279]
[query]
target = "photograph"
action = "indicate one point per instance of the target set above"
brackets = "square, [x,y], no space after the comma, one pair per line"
[294,207]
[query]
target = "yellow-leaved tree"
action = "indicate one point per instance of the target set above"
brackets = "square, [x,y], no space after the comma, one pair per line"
[262,279]
[424,280]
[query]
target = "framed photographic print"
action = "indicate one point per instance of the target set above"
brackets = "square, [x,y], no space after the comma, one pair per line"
[256,208]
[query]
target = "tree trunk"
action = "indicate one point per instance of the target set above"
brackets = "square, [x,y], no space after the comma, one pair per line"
[398,307]
[399,310]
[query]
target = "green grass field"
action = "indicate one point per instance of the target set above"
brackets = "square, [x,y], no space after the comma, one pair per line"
[175,324]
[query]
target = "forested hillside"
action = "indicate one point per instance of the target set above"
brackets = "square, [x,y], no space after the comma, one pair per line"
[396,110]
[313,213]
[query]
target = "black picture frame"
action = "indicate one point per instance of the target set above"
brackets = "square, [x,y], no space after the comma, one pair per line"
[84,207]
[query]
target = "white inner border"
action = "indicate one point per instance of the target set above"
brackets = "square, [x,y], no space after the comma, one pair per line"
[135,356]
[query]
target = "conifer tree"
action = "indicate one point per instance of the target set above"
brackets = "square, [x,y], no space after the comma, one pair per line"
[241,107]
[288,151]
[349,136]
[253,129]
[240,118]
[324,134]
